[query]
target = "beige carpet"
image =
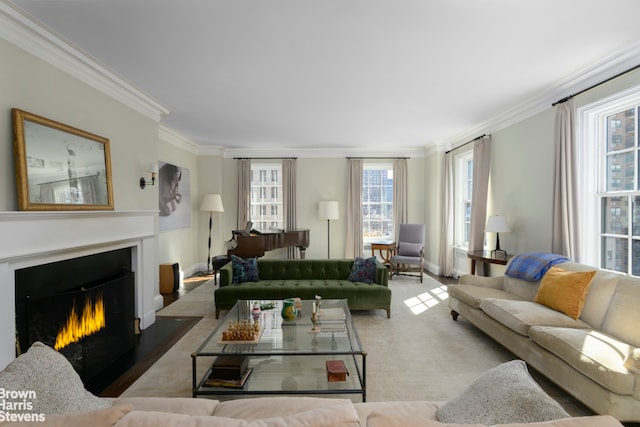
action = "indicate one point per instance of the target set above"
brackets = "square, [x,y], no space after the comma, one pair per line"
[418,354]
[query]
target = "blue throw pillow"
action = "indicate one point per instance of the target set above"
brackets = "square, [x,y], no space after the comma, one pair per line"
[363,270]
[244,269]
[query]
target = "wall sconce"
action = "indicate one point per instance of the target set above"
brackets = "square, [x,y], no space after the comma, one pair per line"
[153,170]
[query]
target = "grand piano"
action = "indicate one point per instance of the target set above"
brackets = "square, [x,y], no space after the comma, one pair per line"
[250,242]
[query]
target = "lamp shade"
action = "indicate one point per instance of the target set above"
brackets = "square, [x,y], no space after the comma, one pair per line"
[328,210]
[153,167]
[497,224]
[212,203]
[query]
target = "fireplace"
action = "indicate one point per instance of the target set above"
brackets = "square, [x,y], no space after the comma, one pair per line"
[83,307]
[39,238]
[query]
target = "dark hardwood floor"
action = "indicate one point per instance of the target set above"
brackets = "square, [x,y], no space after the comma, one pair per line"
[151,344]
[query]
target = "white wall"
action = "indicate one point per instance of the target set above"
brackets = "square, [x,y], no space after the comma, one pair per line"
[31,84]
[323,179]
[181,245]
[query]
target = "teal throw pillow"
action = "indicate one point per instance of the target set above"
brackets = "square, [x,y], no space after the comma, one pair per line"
[244,269]
[363,270]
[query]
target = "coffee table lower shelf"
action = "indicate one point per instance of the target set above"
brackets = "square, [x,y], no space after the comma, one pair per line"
[289,374]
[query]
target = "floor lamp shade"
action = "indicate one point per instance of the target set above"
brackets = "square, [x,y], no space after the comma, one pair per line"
[328,210]
[211,203]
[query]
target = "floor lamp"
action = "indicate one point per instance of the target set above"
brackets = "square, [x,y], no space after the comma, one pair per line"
[211,203]
[328,210]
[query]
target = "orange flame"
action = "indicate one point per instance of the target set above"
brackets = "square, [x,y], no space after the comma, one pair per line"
[78,327]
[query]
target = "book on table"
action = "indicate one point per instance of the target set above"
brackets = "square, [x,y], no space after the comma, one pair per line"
[233,383]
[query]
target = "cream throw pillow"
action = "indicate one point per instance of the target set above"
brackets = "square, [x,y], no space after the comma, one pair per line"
[564,291]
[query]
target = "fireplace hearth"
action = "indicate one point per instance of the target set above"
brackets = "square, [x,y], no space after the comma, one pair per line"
[83,307]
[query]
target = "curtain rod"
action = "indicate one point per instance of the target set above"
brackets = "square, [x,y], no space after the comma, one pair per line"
[468,142]
[565,99]
[382,158]
[265,158]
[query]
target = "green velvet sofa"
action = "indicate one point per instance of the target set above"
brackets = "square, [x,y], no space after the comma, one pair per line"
[306,278]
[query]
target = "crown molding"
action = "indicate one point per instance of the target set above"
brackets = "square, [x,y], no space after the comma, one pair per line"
[20,29]
[172,137]
[610,66]
[325,153]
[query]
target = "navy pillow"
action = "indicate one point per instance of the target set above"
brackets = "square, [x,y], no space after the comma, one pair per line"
[363,270]
[244,269]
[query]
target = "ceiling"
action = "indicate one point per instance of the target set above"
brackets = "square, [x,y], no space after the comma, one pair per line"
[347,74]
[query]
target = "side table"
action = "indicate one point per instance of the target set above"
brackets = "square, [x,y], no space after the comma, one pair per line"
[487,258]
[387,246]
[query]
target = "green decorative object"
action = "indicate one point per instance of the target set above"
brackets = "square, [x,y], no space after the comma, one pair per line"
[289,311]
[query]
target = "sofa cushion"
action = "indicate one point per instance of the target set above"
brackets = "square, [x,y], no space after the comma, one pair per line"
[345,416]
[596,355]
[419,409]
[564,290]
[106,417]
[57,386]
[363,270]
[473,295]
[267,407]
[402,420]
[504,394]
[519,316]
[244,269]
[174,405]
[623,316]
[603,287]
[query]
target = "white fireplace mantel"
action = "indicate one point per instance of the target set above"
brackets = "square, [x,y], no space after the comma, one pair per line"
[34,238]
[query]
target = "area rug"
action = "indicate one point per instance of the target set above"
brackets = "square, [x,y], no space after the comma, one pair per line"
[420,353]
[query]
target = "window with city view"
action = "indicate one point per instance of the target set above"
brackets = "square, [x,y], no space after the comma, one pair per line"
[620,202]
[609,190]
[377,202]
[462,205]
[266,196]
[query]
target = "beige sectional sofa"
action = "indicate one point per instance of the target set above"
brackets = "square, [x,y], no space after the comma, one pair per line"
[594,357]
[40,388]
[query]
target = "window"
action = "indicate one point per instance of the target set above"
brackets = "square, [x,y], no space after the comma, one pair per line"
[377,202]
[609,151]
[266,197]
[462,205]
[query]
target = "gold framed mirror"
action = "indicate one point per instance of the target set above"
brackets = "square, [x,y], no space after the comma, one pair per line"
[59,167]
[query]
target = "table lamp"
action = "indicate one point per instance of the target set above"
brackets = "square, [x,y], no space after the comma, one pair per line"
[497,224]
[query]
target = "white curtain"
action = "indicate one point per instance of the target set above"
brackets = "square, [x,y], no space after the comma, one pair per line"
[481,170]
[289,200]
[244,192]
[354,243]
[565,201]
[446,238]
[400,194]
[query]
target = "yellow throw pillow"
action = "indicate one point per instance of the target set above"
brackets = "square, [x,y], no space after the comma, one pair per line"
[565,291]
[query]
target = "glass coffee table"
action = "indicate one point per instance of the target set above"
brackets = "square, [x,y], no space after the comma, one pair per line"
[288,357]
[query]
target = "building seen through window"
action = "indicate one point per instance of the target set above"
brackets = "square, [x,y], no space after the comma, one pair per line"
[377,202]
[266,196]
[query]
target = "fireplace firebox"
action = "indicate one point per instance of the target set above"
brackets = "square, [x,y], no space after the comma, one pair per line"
[83,307]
